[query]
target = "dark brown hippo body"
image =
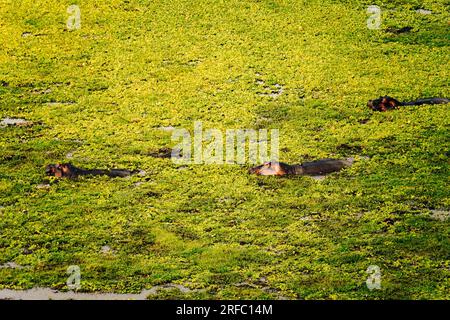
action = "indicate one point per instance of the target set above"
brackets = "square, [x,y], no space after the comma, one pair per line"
[67,170]
[388,103]
[314,168]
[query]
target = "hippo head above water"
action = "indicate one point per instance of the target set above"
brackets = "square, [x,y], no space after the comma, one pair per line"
[272,168]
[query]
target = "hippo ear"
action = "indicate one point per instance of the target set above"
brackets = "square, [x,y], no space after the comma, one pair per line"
[66,170]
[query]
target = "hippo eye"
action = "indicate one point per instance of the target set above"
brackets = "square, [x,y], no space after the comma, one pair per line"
[267,164]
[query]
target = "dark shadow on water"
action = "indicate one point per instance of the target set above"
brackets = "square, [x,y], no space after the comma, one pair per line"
[433,35]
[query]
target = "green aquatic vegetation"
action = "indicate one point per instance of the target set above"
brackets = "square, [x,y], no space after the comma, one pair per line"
[98,97]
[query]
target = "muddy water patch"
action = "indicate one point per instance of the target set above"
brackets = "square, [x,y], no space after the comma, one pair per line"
[424,11]
[15,122]
[107,250]
[50,294]
[277,91]
[57,104]
[70,155]
[441,215]
[12,265]
[43,186]
[271,91]
[168,128]
[318,178]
